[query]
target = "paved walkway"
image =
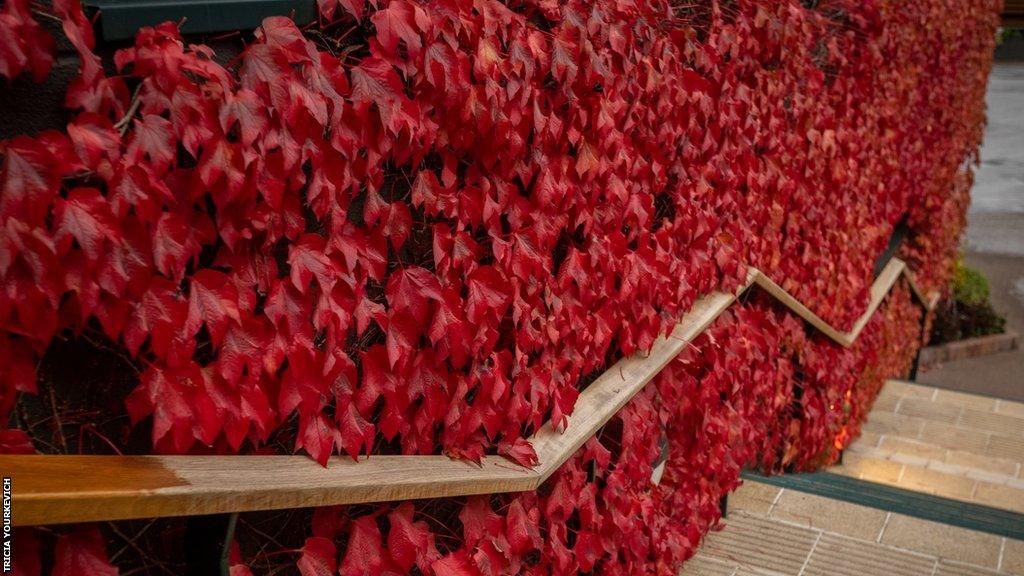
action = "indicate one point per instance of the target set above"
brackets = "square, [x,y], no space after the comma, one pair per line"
[943,443]
[994,240]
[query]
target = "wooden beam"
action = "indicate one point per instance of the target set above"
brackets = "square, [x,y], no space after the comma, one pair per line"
[617,386]
[879,289]
[51,489]
[798,308]
[62,489]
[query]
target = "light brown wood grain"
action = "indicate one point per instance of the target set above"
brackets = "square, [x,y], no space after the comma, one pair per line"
[617,385]
[65,489]
[62,489]
[930,300]
[879,289]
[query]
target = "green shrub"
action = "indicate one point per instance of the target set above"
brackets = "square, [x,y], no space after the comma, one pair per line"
[968,313]
[969,285]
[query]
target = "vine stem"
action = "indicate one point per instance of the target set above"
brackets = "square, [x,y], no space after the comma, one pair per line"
[122,124]
[48,16]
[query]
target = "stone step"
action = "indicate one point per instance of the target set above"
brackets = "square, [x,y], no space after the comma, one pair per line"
[934,477]
[881,424]
[778,532]
[957,462]
[943,442]
[970,412]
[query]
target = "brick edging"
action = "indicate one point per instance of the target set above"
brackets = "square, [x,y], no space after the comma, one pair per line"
[969,348]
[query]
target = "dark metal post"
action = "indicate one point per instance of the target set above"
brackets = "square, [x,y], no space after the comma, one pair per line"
[208,544]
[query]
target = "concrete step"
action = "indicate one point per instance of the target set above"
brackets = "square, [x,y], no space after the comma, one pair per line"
[955,462]
[882,427]
[778,532]
[934,477]
[949,444]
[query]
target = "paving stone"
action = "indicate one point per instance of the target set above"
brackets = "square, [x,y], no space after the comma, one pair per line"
[1000,496]
[1013,557]
[946,542]
[968,472]
[982,462]
[945,568]
[754,497]
[999,423]
[1006,447]
[938,483]
[913,448]
[953,437]
[891,424]
[839,556]
[703,565]
[868,438]
[975,401]
[867,468]
[1010,408]
[909,459]
[829,515]
[886,402]
[908,389]
[761,543]
[929,410]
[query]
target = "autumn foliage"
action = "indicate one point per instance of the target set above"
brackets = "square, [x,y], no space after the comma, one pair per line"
[421,227]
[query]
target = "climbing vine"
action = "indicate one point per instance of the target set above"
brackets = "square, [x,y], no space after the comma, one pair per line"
[421,226]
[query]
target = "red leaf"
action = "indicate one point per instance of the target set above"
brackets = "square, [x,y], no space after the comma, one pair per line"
[180,405]
[588,549]
[398,224]
[82,553]
[488,294]
[94,138]
[213,300]
[353,7]
[478,520]
[159,314]
[245,348]
[519,450]
[15,441]
[24,44]
[374,81]
[365,553]
[29,180]
[244,109]
[356,433]
[400,20]
[152,139]
[455,564]
[86,217]
[317,435]
[521,528]
[402,337]
[308,260]
[222,169]
[378,378]
[410,542]
[175,243]
[411,289]
[319,558]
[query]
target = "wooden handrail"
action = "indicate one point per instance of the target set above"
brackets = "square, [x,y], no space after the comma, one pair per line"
[56,489]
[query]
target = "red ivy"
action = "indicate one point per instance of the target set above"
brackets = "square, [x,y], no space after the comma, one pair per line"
[419,225]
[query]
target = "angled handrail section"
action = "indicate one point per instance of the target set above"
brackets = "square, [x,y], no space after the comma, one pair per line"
[56,489]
